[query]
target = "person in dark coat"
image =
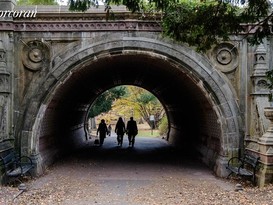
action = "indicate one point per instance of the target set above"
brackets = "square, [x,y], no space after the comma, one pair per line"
[132,131]
[102,131]
[120,130]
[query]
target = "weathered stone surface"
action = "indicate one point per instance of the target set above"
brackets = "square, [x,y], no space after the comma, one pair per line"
[49,65]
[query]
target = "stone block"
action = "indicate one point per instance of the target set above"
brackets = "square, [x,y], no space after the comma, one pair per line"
[7,5]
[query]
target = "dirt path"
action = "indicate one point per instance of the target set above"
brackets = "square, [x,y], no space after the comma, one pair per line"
[147,174]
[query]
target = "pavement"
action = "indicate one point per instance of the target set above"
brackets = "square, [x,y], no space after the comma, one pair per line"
[151,173]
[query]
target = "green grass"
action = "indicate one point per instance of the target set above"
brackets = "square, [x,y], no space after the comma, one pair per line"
[148,133]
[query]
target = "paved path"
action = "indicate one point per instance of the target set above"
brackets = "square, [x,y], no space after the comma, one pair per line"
[150,173]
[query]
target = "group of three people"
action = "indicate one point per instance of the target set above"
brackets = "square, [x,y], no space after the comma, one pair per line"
[131,130]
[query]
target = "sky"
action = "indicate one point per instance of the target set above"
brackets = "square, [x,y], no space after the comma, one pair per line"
[64,2]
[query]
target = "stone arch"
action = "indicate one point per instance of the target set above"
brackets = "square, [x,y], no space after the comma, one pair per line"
[211,83]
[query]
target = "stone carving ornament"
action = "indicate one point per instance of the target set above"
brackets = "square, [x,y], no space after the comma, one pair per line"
[35,55]
[4,83]
[225,57]
[3,116]
[262,85]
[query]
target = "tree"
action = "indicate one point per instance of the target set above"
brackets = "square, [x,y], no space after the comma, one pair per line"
[148,105]
[202,23]
[36,2]
[104,102]
[190,23]
[81,5]
[140,103]
[163,126]
[225,17]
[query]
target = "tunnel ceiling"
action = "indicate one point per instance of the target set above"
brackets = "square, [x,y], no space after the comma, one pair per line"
[158,76]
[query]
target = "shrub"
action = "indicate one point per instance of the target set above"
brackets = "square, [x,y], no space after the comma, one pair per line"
[163,126]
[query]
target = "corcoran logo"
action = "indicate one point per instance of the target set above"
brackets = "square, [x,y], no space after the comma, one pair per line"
[18,14]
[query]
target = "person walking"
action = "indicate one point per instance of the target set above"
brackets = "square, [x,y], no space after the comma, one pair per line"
[102,130]
[120,130]
[132,131]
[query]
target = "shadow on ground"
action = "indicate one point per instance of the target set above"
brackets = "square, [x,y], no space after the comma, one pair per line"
[146,150]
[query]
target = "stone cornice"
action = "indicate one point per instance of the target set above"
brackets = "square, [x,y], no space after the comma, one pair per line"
[6,26]
[64,26]
[60,19]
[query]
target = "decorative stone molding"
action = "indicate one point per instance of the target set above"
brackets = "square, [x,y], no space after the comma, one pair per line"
[3,58]
[266,150]
[86,26]
[225,57]
[4,75]
[4,83]
[260,66]
[267,138]
[269,151]
[262,85]
[259,81]
[7,4]
[2,53]
[3,116]
[4,93]
[253,146]
[34,55]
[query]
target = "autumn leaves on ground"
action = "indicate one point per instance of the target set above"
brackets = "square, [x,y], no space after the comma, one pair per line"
[151,173]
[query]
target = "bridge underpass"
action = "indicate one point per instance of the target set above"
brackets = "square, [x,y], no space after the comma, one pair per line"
[55,65]
[193,124]
[61,63]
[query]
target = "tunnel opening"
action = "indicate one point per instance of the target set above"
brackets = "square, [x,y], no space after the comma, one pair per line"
[127,101]
[194,127]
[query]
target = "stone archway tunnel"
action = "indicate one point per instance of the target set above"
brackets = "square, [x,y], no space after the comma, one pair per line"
[54,65]
[197,117]
[191,116]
